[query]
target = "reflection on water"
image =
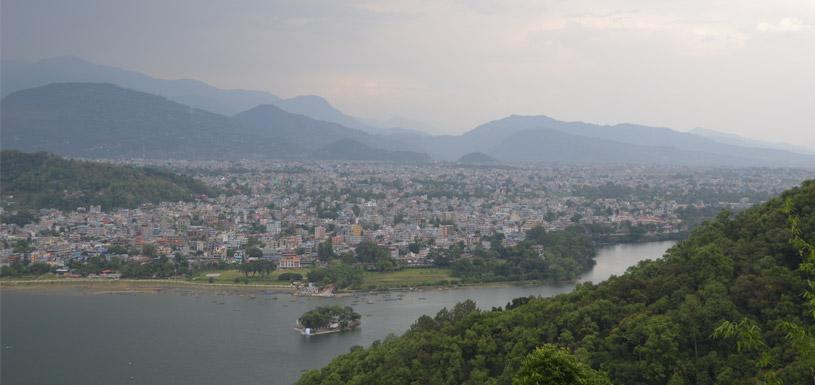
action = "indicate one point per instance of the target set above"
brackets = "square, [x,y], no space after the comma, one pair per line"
[68,336]
[614,260]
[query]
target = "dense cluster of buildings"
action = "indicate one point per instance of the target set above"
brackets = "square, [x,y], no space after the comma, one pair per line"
[289,209]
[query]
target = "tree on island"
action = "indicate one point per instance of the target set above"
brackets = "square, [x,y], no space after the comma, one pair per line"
[323,316]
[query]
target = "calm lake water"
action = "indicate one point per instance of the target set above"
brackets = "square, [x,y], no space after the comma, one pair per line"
[73,336]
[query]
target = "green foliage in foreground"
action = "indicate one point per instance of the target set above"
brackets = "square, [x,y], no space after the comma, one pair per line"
[726,307]
[41,180]
[551,365]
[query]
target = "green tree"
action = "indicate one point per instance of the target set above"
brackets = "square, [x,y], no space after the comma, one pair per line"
[325,251]
[22,246]
[149,250]
[254,252]
[370,252]
[19,218]
[551,365]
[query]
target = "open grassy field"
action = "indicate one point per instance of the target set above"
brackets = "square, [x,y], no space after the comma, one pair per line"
[228,276]
[371,280]
[407,277]
[402,278]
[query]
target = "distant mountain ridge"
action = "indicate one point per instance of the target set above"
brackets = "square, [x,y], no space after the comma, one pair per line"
[106,121]
[351,150]
[477,158]
[270,127]
[727,138]
[307,133]
[19,75]
[544,139]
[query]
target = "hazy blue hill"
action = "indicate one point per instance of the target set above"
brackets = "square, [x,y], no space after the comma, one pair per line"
[665,137]
[18,75]
[42,180]
[477,158]
[308,133]
[649,144]
[105,121]
[400,126]
[349,149]
[727,138]
[318,108]
[554,146]
[480,139]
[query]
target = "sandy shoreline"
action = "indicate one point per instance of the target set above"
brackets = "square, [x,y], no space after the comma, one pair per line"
[130,286]
[122,286]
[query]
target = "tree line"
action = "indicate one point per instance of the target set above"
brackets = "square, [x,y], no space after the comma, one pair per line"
[41,180]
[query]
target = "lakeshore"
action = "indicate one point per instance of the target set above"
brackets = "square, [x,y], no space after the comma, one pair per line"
[159,285]
[155,285]
[421,279]
[224,326]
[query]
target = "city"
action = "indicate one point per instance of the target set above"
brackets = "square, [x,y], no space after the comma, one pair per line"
[285,211]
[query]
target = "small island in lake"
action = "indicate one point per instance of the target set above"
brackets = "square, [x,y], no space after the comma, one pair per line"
[328,319]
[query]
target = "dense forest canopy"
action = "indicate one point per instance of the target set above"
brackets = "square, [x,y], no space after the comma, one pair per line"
[555,255]
[40,180]
[726,306]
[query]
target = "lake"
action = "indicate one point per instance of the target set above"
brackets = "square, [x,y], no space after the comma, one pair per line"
[185,336]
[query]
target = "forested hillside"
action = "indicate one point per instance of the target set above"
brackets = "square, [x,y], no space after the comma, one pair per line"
[41,180]
[727,306]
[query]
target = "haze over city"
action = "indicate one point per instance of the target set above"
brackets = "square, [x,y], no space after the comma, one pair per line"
[302,192]
[445,67]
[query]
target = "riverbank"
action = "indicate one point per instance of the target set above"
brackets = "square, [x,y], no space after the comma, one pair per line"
[223,329]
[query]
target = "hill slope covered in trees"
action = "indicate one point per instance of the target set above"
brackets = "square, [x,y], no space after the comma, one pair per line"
[41,180]
[727,306]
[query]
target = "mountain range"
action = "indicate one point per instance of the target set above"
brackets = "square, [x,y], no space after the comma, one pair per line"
[100,120]
[72,107]
[18,75]
[728,138]
[543,139]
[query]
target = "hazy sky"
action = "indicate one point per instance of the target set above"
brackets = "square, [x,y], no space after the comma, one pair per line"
[740,66]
